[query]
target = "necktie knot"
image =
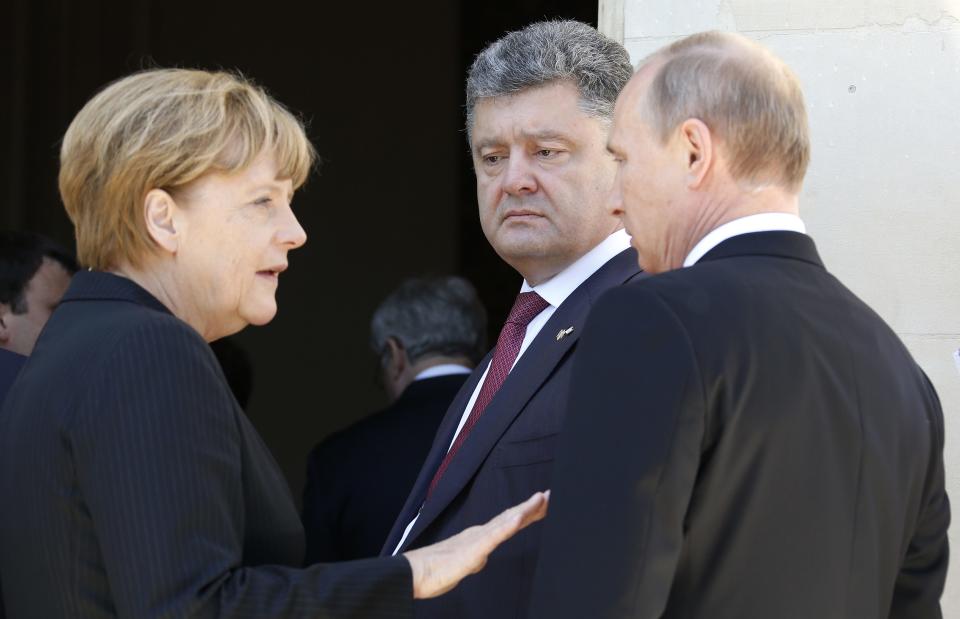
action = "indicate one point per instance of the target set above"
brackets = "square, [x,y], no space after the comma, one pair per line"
[526,308]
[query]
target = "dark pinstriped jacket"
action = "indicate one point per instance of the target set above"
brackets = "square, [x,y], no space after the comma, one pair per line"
[133,485]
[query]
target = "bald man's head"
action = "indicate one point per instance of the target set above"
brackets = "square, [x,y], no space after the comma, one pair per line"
[749,98]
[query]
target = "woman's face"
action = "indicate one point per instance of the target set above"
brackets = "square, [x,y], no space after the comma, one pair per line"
[234,234]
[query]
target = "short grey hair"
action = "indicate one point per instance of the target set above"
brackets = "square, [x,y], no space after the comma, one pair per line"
[549,51]
[432,316]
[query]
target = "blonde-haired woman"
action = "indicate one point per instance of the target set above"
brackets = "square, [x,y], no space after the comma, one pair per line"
[131,482]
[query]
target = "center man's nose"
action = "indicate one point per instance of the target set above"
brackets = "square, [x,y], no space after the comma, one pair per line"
[519,176]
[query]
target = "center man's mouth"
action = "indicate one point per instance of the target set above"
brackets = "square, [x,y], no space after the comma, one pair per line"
[521,214]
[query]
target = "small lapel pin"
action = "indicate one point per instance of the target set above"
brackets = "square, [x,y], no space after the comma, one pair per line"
[562,333]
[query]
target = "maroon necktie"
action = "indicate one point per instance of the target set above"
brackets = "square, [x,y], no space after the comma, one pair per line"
[525,308]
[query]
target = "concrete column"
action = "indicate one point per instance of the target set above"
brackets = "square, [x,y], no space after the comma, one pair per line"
[882,195]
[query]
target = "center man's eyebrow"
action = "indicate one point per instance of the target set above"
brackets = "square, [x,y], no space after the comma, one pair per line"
[537,136]
[489,142]
[548,136]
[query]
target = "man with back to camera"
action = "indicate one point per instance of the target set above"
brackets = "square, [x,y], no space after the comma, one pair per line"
[34,274]
[539,103]
[429,334]
[745,437]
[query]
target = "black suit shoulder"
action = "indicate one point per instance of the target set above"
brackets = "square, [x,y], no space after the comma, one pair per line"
[153,495]
[385,423]
[358,478]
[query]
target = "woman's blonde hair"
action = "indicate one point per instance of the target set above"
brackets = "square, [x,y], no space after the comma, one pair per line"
[162,129]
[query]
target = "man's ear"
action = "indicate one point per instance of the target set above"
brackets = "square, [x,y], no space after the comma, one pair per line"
[699,150]
[397,359]
[5,334]
[159,212]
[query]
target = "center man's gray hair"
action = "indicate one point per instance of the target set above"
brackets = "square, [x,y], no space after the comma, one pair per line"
[550,51]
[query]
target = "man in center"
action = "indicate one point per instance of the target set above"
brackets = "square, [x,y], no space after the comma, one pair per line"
[539,105]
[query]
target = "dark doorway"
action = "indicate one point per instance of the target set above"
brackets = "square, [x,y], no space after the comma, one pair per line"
[381,87]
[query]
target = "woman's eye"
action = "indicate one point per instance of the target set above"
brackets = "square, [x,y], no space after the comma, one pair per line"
[263,201]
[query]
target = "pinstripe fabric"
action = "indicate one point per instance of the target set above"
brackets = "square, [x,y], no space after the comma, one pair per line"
[134,486]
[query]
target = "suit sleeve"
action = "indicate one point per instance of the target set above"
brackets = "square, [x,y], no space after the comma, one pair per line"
[924,569]
[625,467]
[157,449]
[321,509]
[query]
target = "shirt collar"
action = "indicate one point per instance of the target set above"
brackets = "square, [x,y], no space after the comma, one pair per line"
[556,289]
[762,222]
[444,369]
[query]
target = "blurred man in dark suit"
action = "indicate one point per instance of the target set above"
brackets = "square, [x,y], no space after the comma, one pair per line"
[746,439]
[429,334]
[9,367]
[10,363]
[34,274]
[539,103]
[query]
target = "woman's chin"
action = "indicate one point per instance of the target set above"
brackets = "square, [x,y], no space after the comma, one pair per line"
[261,316]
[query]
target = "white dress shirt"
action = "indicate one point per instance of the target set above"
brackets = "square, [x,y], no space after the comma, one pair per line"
[444,369]
[554,291]
[762,222]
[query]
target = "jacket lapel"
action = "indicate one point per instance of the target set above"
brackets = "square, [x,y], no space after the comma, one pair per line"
[531,371]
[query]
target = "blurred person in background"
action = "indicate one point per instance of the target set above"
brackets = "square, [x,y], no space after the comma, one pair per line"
[429,334]
[34,274]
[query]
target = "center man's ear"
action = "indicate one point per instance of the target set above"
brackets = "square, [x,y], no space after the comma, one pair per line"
[698,148]
[159,212]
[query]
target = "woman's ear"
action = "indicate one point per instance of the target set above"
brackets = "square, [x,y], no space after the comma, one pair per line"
[159,212]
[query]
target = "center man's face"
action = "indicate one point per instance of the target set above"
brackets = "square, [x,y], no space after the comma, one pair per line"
[543,175]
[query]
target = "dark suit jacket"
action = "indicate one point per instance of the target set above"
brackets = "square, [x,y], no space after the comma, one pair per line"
[359,478]
[10,363]
[746,439]
[149,493]
[508,457]
[9,367]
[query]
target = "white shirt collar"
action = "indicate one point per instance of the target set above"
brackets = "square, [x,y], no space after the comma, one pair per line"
[762,222]
[556,289]
[444,369]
